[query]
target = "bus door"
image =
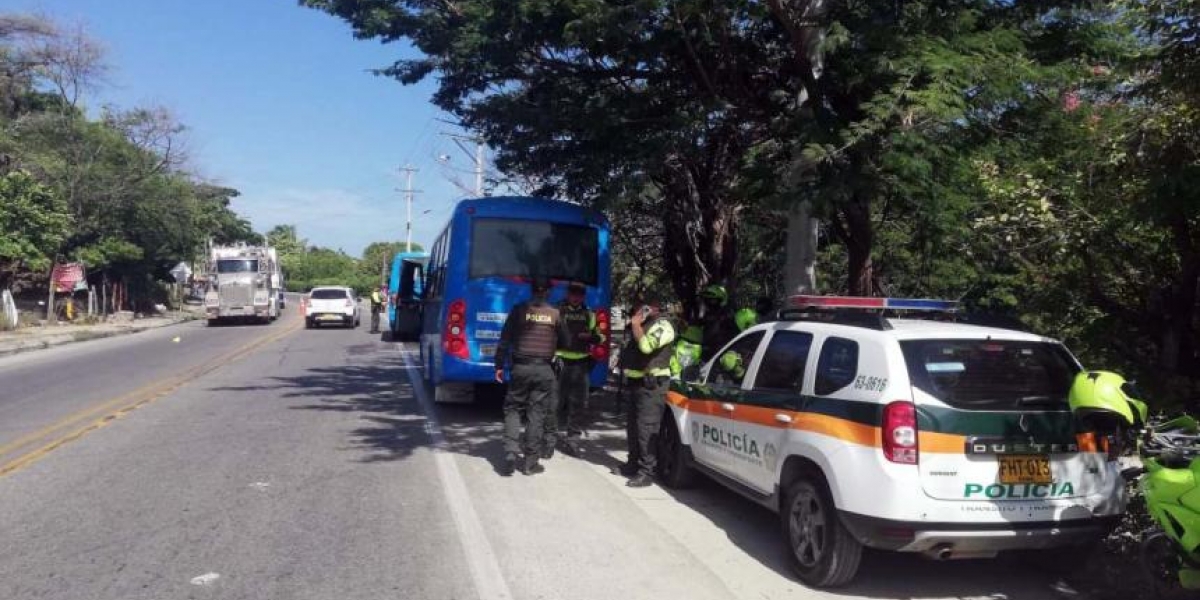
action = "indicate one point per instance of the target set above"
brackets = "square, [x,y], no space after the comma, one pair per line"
[408,299]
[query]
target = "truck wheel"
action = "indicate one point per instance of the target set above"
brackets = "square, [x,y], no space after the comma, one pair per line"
[820,549]
[674,466]
[308,324]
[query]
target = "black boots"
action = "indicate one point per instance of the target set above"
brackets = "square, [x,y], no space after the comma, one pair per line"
[509,465]
[642,480]
[532,467]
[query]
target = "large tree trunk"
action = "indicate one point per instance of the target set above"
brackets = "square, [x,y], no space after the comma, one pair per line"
[700,237]
[1178,350]
[800,266]
[856,231]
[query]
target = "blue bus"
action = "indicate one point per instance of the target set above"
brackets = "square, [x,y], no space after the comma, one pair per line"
[480,267]
[404,294]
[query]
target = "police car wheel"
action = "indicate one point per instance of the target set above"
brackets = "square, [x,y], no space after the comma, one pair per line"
[674,469]
[820,549]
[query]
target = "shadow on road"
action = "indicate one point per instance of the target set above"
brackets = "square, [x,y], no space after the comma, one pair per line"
[376,385]
[393,424]
[756,532]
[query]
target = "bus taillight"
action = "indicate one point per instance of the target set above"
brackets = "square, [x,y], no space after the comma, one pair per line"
[604,323]
[454,337]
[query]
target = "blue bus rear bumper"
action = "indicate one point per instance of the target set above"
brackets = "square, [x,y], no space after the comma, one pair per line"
[456,370]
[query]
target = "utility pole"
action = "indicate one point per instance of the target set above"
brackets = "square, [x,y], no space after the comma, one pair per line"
[478,168]
[476,156]
[408,197]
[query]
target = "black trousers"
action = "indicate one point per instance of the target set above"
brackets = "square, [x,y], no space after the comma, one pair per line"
[573,385]
[646,399]
[531,392]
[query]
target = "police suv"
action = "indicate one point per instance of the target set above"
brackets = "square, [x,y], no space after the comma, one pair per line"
[915,435]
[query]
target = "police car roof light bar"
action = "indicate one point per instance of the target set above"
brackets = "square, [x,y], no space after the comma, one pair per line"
[844,302]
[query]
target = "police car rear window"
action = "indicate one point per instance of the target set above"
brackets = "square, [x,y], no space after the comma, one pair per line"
[991,375]
[329,295]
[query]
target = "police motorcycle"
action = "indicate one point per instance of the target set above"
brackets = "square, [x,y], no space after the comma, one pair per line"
[1169,476]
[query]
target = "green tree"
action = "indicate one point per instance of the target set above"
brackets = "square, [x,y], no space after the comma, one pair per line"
[600,100]
[286,241]
[34,225]
[376,261]
[133,212]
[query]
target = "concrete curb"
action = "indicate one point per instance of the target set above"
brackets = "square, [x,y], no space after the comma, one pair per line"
[51,341]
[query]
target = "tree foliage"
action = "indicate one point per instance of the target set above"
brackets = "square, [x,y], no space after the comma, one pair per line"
[34,223]
[131,210]
[1037,160]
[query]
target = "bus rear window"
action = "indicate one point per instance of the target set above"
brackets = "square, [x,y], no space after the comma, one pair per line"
[991,374]
[526,248]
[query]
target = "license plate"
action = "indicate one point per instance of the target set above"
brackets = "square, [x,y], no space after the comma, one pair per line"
[1025,469]
[329,318]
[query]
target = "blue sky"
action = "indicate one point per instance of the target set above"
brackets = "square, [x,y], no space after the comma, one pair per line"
[279,104]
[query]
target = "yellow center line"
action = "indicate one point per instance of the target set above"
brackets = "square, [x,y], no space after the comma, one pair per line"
[118,407]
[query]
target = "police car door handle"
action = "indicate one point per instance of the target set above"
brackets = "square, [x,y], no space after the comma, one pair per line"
[727,407]
[782,418]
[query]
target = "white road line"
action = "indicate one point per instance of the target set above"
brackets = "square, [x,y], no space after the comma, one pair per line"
[481,559]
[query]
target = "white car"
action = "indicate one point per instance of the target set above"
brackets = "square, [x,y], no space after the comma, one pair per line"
[331,305]
[912,435]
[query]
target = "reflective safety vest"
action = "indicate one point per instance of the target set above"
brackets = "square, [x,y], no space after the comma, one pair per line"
[579,321]
[650,355]
[685,355]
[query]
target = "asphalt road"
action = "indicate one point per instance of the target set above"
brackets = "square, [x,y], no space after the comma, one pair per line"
[276,463]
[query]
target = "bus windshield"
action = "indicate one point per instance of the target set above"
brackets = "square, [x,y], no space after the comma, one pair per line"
[525,248]
[237,266]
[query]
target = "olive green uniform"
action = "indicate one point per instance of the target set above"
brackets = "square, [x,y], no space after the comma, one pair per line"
[573,380]
[646,364]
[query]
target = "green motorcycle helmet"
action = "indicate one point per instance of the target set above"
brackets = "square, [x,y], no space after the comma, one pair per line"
[715,294]
[745,318]
[1105,398]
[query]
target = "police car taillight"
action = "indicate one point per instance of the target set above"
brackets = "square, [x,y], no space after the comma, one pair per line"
[900,432]
[454,336]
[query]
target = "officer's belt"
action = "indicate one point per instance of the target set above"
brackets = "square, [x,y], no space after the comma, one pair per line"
[531,360]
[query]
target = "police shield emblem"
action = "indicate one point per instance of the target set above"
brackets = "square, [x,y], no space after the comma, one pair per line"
[695,432]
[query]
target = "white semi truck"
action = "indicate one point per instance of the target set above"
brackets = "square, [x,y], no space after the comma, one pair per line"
[244,282]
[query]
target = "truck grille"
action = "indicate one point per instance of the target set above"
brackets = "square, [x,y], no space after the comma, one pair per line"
[237,294]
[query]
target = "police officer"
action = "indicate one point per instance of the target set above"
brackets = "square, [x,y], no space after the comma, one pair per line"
[573,379]
[718,323]
[376,307]
[646,366]
[532,333]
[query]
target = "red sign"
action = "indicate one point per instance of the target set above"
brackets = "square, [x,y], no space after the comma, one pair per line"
[66,277]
